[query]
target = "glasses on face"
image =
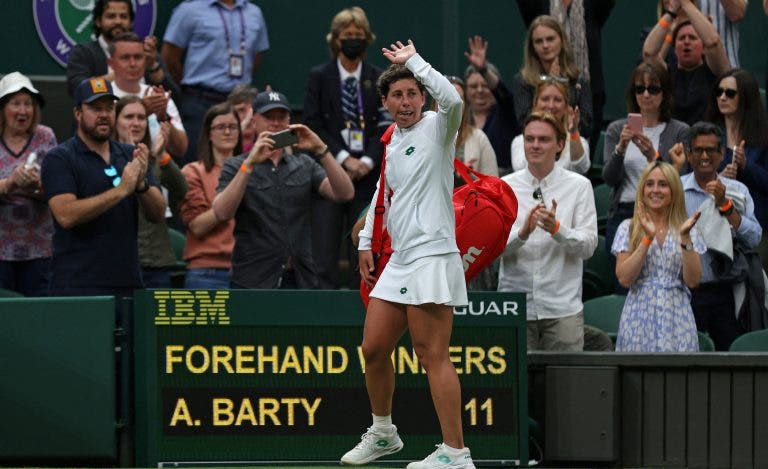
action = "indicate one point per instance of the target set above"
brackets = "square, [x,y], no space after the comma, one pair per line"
[698,151]
[651,89]
[223,127]
[111,173]
[537,195]
[729,92]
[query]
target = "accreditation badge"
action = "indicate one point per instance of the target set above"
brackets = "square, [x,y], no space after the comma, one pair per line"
[236,65]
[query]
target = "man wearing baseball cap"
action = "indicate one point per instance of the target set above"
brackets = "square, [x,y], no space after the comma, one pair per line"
[94,188]
[269,192]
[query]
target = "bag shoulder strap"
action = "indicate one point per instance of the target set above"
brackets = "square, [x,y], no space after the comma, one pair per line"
[378,209]
[465,171]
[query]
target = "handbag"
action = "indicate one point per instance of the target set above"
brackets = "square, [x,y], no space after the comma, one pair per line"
[485,209]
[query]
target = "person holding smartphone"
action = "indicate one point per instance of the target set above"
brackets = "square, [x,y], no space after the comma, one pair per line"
[647,134]
[269,192]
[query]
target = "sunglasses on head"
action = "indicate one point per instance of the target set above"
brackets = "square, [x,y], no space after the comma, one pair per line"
[729,93]
[651,89]
[553,78]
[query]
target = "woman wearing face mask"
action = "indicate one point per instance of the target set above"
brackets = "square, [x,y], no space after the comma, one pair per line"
[552,97]
[341,106]
[156,255]
[547,54]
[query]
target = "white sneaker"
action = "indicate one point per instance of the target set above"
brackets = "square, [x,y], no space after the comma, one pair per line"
[373,445]
[441,459]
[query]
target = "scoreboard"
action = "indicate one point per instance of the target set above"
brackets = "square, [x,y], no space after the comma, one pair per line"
[255,377]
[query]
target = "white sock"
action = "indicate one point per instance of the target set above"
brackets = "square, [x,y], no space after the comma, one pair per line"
[451,450]
[383,422]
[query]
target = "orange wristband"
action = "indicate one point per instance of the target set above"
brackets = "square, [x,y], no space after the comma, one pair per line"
[646,240]
[557,227]
[668,39]
[575,136]
[663,23]
[166,159]
[244,168]
[726,206]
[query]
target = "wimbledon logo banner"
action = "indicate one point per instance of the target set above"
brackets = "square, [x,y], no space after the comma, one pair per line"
[63,23]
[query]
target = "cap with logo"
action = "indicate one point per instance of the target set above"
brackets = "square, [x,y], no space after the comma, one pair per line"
[268,100]
[15,82]
[91,89]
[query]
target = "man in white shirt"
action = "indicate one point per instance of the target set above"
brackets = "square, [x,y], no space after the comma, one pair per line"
[556,229]
[128,63]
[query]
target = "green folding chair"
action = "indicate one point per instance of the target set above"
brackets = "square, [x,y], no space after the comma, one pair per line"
[755,341]
[597,271]
[178,240]
[604,313]
[9,293]
[602,194]
[705,342]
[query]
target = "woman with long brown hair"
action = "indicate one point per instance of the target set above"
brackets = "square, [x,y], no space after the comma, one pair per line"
[208,250]
[547,54]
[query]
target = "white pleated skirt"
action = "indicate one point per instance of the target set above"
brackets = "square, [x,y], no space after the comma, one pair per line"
[434,279]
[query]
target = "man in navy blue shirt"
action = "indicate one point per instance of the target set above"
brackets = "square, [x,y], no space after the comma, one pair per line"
[94,188]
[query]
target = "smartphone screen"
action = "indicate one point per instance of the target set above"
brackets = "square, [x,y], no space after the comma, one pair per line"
[635,122]
[285,138]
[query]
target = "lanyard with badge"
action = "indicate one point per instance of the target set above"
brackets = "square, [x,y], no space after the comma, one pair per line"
[235,59]
[354,137]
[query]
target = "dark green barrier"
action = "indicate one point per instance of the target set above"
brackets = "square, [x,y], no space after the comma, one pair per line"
[265,376]
[57,394]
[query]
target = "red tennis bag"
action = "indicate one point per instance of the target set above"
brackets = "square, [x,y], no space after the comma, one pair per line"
[485,209]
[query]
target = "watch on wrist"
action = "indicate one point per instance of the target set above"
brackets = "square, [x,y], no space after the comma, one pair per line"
[687,246]
[143,189]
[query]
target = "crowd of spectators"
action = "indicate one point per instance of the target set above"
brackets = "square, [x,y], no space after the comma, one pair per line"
[173,133]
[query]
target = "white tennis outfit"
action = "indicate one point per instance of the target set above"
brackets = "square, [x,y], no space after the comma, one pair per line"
[425,266]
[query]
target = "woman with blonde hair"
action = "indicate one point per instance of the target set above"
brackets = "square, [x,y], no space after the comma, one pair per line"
[547,54]
[657,258]
[552,97]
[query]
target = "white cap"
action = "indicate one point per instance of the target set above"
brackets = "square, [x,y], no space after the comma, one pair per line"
[14,82]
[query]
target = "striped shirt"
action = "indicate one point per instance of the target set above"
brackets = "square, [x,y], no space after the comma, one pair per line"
[727,29]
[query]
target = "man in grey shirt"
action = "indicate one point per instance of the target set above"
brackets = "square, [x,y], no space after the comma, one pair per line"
[269,192]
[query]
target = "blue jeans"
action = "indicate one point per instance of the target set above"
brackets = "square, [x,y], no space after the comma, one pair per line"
[207,279]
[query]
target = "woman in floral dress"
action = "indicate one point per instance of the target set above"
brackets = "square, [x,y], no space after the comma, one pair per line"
[657,258]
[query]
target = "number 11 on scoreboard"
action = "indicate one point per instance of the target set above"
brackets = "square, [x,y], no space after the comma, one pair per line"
[486,407]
